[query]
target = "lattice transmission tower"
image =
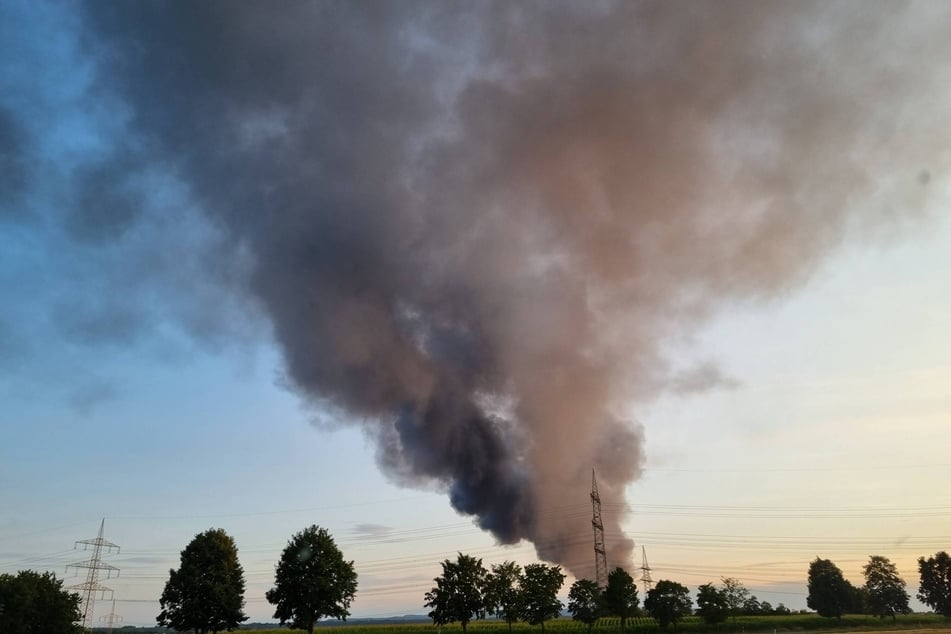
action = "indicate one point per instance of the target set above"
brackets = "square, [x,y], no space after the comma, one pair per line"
[112,618]
[600,558]
[91,587]
[646,572]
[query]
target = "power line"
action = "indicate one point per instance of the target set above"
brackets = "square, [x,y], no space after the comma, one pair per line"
[887,467]
[258,513]
[580,509]
[91,587]
[696,541]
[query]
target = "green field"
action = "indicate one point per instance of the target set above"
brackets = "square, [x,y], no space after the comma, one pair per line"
[744,625]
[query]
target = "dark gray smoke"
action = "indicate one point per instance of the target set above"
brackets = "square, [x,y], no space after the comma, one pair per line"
[473,226]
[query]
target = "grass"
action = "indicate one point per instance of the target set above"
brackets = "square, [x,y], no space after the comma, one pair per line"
[645,625]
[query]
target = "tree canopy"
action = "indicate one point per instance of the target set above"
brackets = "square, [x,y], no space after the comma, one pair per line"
[458,594]
[829,593]
[935,586]
[585,602]
[502,592]
[712,605]
[668,602]
[35,603]
[540,586]
[620,595]
[312,580]
[206,593]
[884,589]
[752,606]
[736,595]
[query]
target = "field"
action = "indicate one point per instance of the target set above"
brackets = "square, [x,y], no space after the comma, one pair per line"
[921,623]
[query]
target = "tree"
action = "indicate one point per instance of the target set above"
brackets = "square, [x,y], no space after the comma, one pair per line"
[206,593]
[502,596]
[458,595]
[312,580]
[585,602]
[781,609]
[884,589]
[752,606]
[712,605]
[34,603]
[668,602]
[620,595]
[540,584]
[736,595]
[829,593]
[935,586]
[858,599]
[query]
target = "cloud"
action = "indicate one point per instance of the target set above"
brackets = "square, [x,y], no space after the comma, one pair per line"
[371,531]
[92,394]
[146,561]
[443,207]
[14,172]
[701,378]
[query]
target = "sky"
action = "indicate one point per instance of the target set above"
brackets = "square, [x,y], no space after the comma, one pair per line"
[410,272]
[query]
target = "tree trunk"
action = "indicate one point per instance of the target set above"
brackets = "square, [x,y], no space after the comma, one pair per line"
[310,626]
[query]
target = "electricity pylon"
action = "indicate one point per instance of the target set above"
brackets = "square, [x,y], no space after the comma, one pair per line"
[600,558]
[91,587]
[112,618]
[646,572]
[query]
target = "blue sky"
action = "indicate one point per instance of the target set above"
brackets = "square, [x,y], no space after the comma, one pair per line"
[141,384]
[824,448]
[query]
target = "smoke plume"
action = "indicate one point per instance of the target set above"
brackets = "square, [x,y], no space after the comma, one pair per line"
[473,226]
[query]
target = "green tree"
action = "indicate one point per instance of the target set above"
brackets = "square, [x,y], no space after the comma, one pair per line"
[312,580]
[585,602]
[620,596]
[668,602]
[829,593]
[736,595]
[884,589]
[458,595]
[206,593]
[712,605]
[35,603]
[540,584]
[859,600]
[752,606]
[935,587]
[502,596]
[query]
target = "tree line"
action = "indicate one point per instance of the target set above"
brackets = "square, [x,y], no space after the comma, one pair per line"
[466,590]
[205,594]
[884,594]
[313,581]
